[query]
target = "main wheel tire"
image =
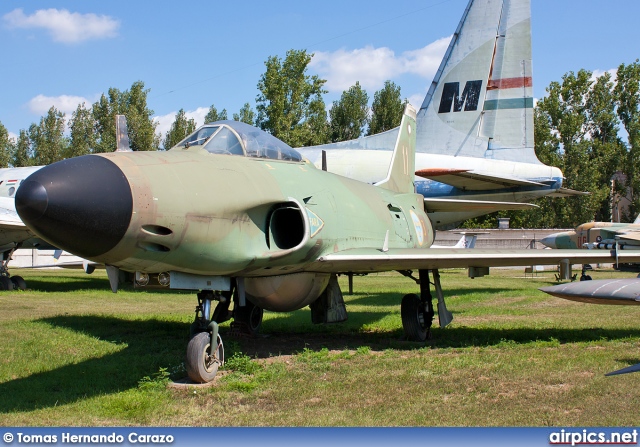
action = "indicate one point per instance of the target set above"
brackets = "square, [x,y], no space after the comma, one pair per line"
[202,364]
[413,318]
[19,283]
[250,316]
[5,283]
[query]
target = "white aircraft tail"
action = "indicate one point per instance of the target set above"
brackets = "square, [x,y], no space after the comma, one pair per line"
[480,103]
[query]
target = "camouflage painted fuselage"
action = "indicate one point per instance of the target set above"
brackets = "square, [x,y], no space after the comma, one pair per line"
[214,214]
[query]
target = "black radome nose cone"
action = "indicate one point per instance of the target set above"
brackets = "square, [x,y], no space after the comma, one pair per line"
[82,205]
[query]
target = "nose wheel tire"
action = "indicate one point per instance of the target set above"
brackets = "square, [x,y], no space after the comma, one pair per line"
[413,313]
[203,361]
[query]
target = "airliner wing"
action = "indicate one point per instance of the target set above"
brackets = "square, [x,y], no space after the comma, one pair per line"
[474,180]
[374,260]
[435,205]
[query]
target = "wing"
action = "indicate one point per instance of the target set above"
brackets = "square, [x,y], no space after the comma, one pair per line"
[473,180]
[434,205]
[374,260]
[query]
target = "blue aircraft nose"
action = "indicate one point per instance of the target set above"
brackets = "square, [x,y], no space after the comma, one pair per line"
[82,205]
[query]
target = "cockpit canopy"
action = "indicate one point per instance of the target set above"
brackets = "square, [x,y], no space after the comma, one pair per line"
[236,138]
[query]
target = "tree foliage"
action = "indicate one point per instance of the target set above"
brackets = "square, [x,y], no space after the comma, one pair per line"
[83,138]
[48,142]
[386,110]
[6,147]
[350,115]
[213,115]
[180,128]
[246,115]
[290,104]
[627,95]
[131,103]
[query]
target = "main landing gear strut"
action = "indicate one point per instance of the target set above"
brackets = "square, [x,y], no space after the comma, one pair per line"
[205,351]
[417,311]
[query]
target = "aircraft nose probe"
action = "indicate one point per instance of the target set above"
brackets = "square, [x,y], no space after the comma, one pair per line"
[82,205]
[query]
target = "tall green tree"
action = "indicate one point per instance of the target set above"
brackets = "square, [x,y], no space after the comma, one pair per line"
[6,147]
[180,128]
[290,104]
[246,115]
[386,110]
[131,103]
[83,137]
[47,138]
[22,156]
[350,115]
[627,94]
[213,115]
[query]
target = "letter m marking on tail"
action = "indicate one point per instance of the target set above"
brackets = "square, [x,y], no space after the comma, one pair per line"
[451,97]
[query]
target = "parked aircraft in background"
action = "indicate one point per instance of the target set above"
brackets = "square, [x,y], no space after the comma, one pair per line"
[239,216]
[606,291]
[597,235]
[475,127]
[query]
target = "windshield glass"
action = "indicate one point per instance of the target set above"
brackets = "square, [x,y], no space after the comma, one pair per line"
[198,137]
[221,137]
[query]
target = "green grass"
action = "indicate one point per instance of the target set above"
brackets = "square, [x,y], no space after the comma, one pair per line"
[73,353]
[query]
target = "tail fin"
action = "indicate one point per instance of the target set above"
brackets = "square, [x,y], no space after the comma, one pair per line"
[480,103]
[403,161]
[637,221]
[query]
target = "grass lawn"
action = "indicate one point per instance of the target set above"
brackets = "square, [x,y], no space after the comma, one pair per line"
[73,353]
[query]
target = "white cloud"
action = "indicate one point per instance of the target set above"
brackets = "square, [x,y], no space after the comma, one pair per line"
[372,66]
[65,26]
[13,136]
[41,104]
[416,100]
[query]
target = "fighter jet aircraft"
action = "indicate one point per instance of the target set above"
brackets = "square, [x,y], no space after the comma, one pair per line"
[236,214]
[606,291]
[597,235]
[475,138]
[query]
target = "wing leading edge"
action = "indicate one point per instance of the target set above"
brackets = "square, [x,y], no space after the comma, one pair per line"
[374,260]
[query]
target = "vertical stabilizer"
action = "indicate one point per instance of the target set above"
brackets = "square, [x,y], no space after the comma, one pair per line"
[480,103]
[403,161]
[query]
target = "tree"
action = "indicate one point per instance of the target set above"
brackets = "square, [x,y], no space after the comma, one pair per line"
[22,155]
[47,138]
[246,115]
[83,138]
[350,115]
[132,104]
[6,147]
[180,128]
[213,115]
[627,95]
[386,110]
[290,104]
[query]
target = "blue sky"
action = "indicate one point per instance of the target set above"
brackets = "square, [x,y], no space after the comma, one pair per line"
[194,54]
